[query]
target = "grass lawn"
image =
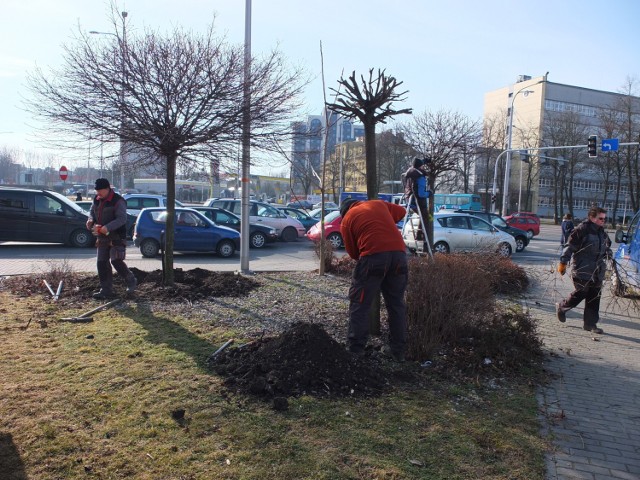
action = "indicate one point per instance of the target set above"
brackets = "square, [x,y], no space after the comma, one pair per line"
[105,400]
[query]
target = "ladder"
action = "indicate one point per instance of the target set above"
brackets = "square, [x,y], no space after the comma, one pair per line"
[418,245]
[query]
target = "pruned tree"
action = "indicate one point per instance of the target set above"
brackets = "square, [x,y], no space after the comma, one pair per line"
[371,101]
[169,99]
[444,137]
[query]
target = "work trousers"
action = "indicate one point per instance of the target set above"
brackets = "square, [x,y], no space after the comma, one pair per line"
[590,292]
[116,253]
[386,272]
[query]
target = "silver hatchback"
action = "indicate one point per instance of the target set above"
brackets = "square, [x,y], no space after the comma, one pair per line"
[459,232]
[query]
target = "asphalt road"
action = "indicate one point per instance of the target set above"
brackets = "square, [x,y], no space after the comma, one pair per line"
[23,258]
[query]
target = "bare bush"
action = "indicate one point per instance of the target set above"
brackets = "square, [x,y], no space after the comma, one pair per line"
[444,297]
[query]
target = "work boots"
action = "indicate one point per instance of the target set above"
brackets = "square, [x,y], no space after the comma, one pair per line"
[132,283]
[103,294]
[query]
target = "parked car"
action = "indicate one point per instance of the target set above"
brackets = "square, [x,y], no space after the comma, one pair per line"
[460,232]
[304,204]
[289,229]
[131,218]
[626,261]
[331,230]
[521,237]
[530,224]
[300,215]
[525,214]
[138,201]
[33,215]
[208,201]
[193,233]
[326,205]
[259,235]
[315,213]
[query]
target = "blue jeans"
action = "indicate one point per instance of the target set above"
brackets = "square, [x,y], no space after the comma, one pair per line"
[386,272]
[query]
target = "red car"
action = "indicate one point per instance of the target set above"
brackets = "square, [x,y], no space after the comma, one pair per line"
[332,233]
[527,221]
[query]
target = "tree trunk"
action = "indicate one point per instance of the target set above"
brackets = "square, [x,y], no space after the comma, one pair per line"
[171,216]
[370,158]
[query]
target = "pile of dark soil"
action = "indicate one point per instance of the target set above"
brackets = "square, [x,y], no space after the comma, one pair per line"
[190,285]
[303,360]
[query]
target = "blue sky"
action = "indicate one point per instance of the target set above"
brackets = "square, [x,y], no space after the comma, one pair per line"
[448,53]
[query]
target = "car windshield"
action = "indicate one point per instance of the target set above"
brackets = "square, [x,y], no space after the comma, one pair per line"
[498,222]
[332,216]
[67,202]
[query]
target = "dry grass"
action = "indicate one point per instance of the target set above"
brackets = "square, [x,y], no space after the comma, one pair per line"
[100,400]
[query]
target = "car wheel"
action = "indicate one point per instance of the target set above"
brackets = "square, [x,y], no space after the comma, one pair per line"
[335,239]
[521,242]
[81,238]
[504,249]
[289,234]
[257,240]
[619,288]
[529,234]
[225,248]
[149,248]
[441,247]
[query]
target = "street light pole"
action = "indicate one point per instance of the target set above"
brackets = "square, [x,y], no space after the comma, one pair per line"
[507,168]
[123,49]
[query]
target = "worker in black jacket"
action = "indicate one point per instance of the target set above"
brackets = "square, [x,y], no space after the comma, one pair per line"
[108,222]
[589,247]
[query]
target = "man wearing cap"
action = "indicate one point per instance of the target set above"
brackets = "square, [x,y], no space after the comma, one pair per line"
[415,185]
[107,221]
[371,237]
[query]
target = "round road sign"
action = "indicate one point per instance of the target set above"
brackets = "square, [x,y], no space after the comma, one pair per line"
[63,173]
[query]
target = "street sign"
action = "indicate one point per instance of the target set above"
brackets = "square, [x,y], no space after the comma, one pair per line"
[64,173]
[609,145]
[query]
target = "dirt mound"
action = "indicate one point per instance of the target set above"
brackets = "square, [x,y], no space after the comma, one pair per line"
[196,284]
[302,360]
[190,285]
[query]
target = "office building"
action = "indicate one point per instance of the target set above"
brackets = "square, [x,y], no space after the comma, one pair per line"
[539,113]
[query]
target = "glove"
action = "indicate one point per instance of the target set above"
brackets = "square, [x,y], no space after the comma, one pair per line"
[103,230]
[562,268]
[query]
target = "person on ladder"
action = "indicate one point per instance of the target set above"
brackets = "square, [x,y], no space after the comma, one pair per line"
[416,186]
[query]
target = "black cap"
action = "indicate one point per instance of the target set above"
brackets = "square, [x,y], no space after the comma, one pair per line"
[417,162]
[346,204]
[102,183]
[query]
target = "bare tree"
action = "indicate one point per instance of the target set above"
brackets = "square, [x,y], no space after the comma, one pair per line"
[444,137]
[393,158]
[565,128]
[629,128]
[371,102]
[177,97]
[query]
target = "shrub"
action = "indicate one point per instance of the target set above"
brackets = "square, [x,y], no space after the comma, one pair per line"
[452,297]
[445,295]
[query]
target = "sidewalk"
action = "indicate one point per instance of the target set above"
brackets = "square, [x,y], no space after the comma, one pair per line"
[590,410]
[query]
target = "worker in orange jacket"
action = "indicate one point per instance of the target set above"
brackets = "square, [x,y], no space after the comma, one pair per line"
[371,237]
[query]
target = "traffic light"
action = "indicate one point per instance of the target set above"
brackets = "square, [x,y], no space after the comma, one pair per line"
[592,146]
[524,156]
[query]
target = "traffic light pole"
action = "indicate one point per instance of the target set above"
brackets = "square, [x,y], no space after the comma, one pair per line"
[505,200]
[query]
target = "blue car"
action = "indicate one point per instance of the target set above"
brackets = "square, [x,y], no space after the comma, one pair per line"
[193,233]
[626,261]
[300,215]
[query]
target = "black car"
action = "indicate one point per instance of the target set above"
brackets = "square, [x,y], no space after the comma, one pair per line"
[131,219]
[522,240]
[32,215]
[259,235]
